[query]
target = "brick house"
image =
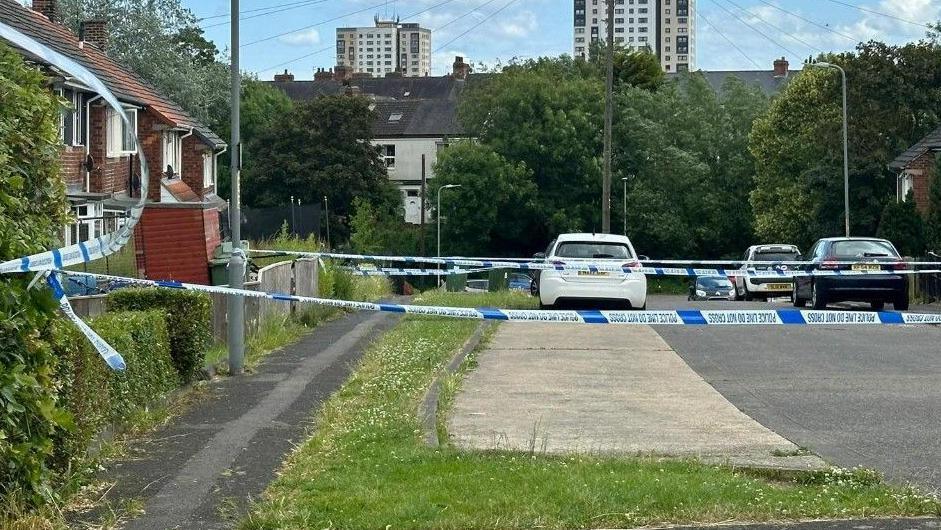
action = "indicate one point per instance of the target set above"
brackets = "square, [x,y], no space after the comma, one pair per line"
[180,226]
[916,168]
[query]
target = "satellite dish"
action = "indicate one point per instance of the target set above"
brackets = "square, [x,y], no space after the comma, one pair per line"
[89,163]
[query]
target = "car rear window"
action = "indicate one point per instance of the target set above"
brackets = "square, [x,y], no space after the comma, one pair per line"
[774,255]
[593,250]
[862,249]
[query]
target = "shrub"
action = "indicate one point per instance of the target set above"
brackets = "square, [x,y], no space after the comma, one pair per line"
[32,211]
[189,322]
[95,394]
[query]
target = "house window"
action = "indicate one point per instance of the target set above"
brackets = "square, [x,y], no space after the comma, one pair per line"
[120,138]
[906,184]
[72,118]
[388,155]
[172,153]
[209,170]
[88,225]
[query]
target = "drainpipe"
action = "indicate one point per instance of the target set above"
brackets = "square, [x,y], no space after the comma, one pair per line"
[184,137]
[215,168]
[88,140]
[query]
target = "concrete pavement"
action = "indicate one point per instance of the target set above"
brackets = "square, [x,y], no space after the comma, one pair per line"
[562,388]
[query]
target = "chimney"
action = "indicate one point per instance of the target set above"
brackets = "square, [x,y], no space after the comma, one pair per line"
[323,75]
[50,8]
[780,67]
[94,32]
[460,69]
[342,73]
[286,76]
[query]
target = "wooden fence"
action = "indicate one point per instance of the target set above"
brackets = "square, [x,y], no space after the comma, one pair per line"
[288,277]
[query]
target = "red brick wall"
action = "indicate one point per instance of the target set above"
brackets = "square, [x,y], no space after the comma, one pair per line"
[71,159]
[193,150]
[152,145]
[922,170]
[110,174]
[176,242]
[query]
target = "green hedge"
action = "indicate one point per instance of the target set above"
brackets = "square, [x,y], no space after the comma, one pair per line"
[189,322]
[97,396]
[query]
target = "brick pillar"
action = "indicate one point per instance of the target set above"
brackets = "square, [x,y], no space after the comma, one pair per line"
[50,8]
[95,32]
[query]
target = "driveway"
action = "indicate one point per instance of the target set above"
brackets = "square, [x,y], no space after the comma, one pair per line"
[856,395]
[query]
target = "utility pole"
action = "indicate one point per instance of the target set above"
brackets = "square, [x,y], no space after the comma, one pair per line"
[326,209]
[846,156]
[235,305]
[608,123]
[293,220]
[424,184]
[624,180]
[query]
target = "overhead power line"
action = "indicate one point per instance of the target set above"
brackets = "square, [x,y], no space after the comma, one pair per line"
[304,4]
[756,30]
[243,11]
[322,22]
[809,21]
[717,30]
[294,60]
[475,26]
[881,14]
[453,20]
[783,31]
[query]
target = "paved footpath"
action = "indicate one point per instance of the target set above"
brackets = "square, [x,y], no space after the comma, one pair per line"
[203,470]
[585,388]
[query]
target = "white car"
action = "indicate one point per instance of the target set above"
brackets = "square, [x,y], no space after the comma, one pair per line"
[592,288]
[751,287]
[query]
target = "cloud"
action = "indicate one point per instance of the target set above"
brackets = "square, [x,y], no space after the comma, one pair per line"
[302,38]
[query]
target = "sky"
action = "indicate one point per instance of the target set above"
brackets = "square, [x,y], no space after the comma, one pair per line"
[299,36]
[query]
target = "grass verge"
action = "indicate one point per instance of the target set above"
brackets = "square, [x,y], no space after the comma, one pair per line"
[365,467]
[499,299]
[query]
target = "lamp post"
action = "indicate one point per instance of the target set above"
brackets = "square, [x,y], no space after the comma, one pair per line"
[235,305]
[846,159]
[438,212]
[326,209]
[624,181]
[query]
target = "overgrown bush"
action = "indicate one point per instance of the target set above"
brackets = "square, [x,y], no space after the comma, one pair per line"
[32,210]
[189,322]
[97,396]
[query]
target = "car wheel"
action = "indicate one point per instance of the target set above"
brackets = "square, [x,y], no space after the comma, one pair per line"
[877,306]
[901,303]
[818,299]
[534,287]
[546,306]
[797,300]
[748,296]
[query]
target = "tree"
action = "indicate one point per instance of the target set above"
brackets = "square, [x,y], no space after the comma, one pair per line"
[32,211]
[489,213]
[933,224]
[902,225]
[381,229]
[162,42]
[262,106]
[324,149]
[637,68]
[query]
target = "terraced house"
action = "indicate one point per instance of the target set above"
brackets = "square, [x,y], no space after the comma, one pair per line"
[100,166]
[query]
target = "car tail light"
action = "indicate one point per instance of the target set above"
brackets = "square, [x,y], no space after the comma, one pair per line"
[634,264]
[899,266]
[829,265]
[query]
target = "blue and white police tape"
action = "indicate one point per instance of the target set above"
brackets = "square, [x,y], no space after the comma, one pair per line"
[602,267]
[393,271]
[109,354]
[91,250]
[85,251]
[530,264]
[689,317]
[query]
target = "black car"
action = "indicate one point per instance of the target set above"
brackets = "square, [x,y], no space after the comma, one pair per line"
[711,288]
[852,254]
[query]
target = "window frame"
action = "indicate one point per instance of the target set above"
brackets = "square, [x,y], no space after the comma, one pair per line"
[113,119]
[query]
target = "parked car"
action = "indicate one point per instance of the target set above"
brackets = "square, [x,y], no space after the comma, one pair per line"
[711,288]
[594,287]
[856,254]
[518,281]
[762,288]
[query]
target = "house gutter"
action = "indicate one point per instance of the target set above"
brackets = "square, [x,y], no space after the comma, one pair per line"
[88,141]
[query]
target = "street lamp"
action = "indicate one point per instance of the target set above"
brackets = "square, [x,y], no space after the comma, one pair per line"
[846,160]
[446,186]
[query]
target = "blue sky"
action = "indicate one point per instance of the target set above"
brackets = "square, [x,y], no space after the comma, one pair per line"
[530,28]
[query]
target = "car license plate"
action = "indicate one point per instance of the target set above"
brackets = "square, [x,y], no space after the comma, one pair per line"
[592,273]
[869,267]
[779,286]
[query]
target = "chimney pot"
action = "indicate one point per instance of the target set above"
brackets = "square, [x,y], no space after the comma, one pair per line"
[95,32]
[49,8]
[780,67]
[460,69]
[286,76]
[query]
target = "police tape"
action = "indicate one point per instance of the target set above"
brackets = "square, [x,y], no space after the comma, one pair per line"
[393,271]
[688,317]
[99,247]
[782,271]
